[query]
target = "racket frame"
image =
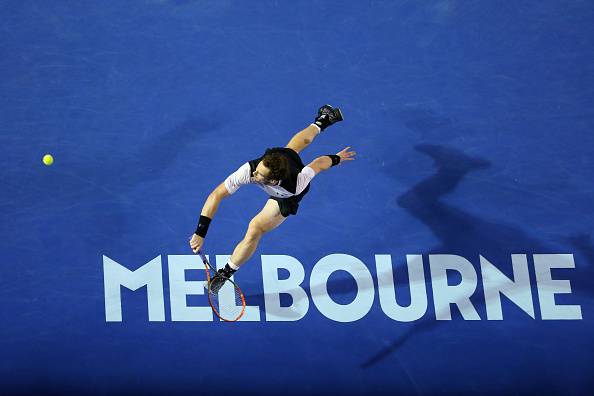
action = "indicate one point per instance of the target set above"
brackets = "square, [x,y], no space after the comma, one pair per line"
[208,268]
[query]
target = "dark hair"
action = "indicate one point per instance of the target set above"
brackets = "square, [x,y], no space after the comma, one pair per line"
[278,165]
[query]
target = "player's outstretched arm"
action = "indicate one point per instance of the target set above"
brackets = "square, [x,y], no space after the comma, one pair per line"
[327,161]
[208,211]
[327,115]
[214,199]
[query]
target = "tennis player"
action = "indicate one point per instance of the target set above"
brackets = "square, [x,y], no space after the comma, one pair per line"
[282,175]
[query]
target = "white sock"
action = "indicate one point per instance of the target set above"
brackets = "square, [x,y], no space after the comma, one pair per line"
[233,266]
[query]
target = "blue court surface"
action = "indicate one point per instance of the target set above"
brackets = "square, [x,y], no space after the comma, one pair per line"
[454,256]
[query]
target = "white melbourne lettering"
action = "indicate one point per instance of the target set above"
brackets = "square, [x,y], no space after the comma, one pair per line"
[358,288]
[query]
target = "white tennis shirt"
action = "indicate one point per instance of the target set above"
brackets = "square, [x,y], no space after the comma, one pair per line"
[243,176]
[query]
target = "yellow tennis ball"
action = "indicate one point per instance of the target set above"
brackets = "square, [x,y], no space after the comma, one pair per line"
[48,159]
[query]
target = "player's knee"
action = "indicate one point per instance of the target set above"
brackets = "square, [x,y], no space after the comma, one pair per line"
[255,230]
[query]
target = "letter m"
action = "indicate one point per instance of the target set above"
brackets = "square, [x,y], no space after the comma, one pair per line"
[149,275]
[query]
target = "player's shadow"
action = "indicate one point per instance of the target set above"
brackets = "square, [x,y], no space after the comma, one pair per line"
[467,235]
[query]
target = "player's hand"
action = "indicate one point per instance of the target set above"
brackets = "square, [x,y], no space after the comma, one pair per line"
[196,242]
[346,155]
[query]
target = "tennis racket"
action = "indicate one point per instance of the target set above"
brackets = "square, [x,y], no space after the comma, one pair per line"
[228,303]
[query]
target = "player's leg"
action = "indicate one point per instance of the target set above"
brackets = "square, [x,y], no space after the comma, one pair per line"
[268,219]
[327,115]
[303,138]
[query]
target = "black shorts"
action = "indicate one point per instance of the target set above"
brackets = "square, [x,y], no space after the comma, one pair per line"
[289,206]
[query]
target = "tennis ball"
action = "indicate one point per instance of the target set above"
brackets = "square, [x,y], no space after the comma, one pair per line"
[48,159]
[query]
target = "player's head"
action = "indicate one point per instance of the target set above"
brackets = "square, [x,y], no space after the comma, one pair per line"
[272,168]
